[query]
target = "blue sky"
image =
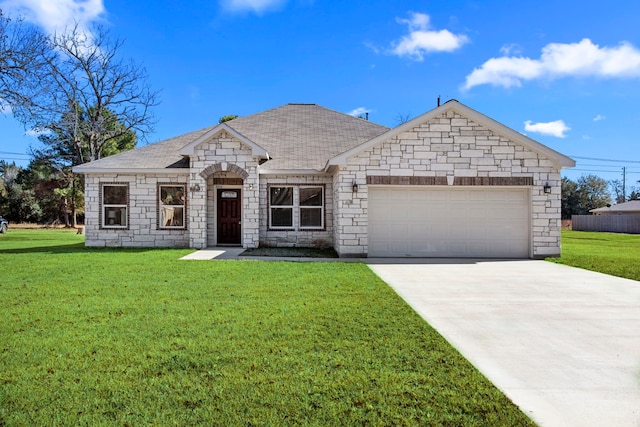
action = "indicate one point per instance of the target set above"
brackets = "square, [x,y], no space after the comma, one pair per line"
[566,74]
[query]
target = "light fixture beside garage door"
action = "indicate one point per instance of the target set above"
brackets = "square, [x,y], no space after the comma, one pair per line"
[547,188]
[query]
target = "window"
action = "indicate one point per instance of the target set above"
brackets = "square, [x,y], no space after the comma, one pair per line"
[172,206]
[115,199]
[311,207]
[299,207]
[281,200]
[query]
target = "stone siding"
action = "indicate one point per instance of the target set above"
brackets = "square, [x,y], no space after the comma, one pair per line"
[142,230]
[222,157]
[296,237]
[455,148]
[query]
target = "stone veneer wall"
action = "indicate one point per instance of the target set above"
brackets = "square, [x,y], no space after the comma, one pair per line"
[449,146]
[143,212]
[296,238]
[222,153]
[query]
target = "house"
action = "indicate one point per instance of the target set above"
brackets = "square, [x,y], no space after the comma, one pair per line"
[449,183]
[628,208]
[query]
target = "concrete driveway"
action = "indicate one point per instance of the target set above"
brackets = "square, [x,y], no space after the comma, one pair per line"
[562,343]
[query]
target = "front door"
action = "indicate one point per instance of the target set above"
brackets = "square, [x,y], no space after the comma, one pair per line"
[229,214]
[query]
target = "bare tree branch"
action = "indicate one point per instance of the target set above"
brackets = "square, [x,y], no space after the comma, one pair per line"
[78,88]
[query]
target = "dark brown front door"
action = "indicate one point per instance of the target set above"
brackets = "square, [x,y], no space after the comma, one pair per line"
[229,228]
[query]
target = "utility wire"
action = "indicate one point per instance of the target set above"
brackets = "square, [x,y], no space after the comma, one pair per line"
[606,160]
[15,154]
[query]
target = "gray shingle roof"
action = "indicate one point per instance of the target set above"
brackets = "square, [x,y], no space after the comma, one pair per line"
[159,155]
[630,206]
[296,136]
[304,136]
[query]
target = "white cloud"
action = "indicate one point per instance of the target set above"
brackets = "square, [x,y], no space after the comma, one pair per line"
[256,6]
[557,128]
[511,49]
[422,40]
[360,111]
[5,108]
[598,118]
[56,15]
[559,60]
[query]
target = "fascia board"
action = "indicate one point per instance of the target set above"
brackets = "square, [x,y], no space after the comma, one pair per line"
[138,171]
[291,172]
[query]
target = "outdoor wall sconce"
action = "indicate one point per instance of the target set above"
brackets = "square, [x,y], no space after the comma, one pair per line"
[195,188]
[547,188]
[354,187]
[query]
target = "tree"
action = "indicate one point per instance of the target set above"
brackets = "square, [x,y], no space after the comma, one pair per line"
[24,53]
[616,189]
[403,118]
[227,118]
[570,201]
[18,201]
[73,88]
[67,145]
[578,198]
[85,92]
[593,193]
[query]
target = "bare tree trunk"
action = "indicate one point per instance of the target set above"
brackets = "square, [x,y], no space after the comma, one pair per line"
[65,210]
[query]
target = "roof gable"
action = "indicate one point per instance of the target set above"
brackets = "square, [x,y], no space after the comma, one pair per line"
[256,150]
[559,159]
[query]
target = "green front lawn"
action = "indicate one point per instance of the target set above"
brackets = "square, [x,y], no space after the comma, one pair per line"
[610,253]
[137,337]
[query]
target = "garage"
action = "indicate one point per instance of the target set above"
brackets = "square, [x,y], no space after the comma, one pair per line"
[462,222]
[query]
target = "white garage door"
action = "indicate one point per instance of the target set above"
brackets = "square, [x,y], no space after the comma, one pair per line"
[445,222]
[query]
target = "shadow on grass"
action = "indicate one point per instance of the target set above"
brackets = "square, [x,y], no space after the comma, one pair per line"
[76,248]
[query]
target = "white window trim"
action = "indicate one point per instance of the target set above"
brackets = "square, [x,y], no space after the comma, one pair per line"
[296,208]
[292,207]
[105,206]
[321,207]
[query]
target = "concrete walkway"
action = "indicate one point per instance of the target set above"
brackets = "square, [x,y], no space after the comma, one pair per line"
[214,253]
[560,342]
[220,252]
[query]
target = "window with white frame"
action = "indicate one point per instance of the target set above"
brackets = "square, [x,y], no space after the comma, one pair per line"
[296,207]
[115,205]
[311,207]
[171,205]
[281,206]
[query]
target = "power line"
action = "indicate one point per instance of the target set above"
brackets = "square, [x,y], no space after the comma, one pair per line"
[12,158]
[15,154]
[606,160]
[580,164]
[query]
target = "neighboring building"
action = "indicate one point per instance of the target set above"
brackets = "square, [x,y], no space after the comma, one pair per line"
[627,208]
[449,183]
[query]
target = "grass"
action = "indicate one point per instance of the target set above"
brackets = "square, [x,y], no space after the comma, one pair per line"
[610,253]
[132,337]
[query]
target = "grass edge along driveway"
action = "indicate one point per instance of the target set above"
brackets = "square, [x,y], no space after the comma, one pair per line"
[130,337]
[610,253]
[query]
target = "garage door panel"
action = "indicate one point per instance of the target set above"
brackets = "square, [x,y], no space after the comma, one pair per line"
[445,222]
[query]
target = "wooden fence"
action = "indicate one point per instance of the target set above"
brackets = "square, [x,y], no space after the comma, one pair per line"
[610,223]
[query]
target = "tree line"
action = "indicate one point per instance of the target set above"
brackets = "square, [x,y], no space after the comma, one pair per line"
[592,192]
[83,101]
